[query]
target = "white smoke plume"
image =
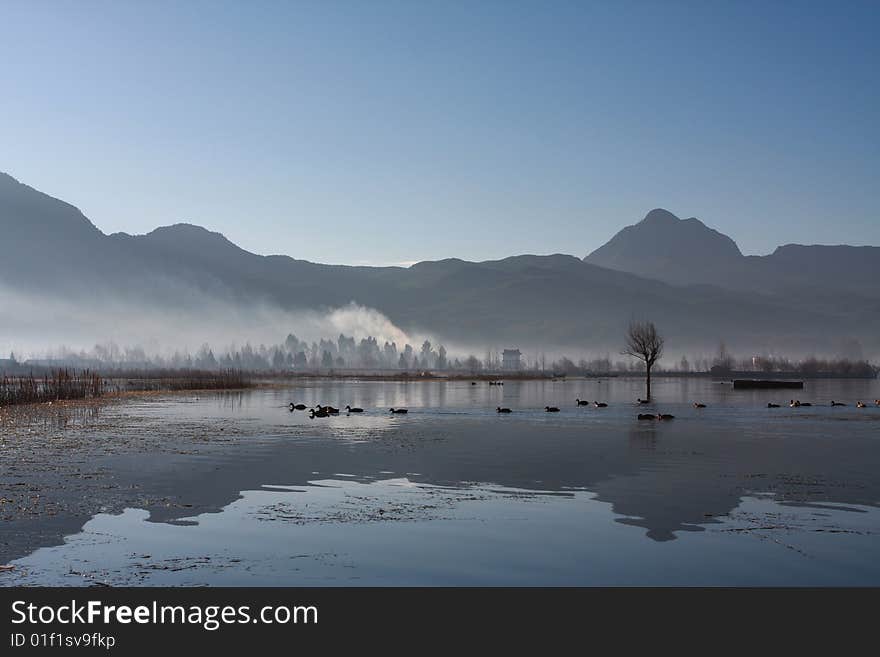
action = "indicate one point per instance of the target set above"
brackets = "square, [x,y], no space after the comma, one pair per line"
[35,326]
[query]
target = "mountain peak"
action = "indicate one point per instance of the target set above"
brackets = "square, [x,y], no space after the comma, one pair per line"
[27,211]
[6,179]
[183,229]
[193,240]
[667,248]
[660,216]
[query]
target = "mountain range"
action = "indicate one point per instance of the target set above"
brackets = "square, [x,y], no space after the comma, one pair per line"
[692,281]
[687,252]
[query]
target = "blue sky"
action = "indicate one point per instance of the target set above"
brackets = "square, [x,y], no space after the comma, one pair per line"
[387,132]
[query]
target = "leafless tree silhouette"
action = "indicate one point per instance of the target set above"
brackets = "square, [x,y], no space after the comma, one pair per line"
[645,343]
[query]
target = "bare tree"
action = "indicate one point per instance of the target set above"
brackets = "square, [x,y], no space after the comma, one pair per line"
[645,343]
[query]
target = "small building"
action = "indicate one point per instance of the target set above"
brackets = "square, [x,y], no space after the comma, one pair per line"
[510,359]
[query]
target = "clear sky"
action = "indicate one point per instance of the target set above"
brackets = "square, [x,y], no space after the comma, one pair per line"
[387,132]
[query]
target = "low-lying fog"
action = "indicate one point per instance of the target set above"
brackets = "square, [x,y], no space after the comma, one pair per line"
[33,325]
[207,329]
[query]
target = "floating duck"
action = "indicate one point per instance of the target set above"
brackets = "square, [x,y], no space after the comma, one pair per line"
[502,410]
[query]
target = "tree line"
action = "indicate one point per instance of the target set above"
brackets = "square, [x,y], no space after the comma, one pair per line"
[349,353]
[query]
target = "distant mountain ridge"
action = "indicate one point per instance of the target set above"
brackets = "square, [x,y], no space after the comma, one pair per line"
[49,248]
[687,252]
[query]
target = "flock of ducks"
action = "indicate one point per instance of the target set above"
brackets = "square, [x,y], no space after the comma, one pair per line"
[797,403]
[326,411]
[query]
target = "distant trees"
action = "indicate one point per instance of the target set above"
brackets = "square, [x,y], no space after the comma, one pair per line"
[565,366]
[644,342]
[427,354]
[370,353]
[205,359]
[389,352]
[723,362]
[473,364]
[593,366]
[763,364]
[344,352]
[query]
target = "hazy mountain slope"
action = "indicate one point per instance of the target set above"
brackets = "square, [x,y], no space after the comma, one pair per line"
[853,269]
[51,249]
[592,306]
[42,238]
[687,252]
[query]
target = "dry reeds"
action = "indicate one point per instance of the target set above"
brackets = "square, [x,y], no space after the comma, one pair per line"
[55,386]
[174,380]
[64,384]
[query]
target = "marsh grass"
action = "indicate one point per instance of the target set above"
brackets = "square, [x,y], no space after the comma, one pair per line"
[58,385]
[175,380]
[68,384]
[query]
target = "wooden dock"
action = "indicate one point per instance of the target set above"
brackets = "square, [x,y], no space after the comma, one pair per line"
[761,384]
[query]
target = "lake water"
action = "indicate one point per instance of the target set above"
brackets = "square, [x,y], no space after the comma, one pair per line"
[455,494]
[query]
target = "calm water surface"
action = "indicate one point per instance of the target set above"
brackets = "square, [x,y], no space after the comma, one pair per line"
[453,493]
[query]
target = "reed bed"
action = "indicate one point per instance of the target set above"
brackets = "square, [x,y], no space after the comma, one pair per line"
[62,384]
[175,380]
